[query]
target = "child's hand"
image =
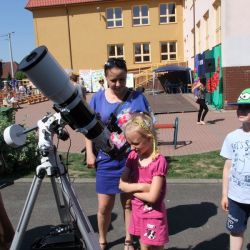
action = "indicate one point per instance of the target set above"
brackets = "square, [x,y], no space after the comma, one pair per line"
[224,203]
[145,187]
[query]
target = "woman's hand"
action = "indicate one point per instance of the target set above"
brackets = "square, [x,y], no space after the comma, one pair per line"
[124,186]
[224,203]
[90,159]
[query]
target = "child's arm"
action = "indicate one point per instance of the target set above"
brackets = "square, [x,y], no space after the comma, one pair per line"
[127,187]
[226,170]
[154,192]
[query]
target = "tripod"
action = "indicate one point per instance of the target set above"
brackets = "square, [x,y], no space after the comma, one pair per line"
[52,166]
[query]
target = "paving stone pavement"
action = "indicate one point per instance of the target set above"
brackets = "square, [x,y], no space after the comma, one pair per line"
[192,138]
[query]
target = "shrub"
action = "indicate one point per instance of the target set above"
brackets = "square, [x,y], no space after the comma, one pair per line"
[23,158]
[20,75]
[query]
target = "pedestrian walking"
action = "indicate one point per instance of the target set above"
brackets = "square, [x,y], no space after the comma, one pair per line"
[200,87]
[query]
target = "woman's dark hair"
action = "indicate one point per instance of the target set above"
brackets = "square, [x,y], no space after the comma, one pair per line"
[73,77]
[115,62]
[203,80]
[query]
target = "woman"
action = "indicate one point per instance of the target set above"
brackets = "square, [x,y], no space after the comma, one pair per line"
[118,100]
[201,100]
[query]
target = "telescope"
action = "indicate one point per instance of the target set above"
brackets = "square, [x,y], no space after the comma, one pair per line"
[71,109]
[52,80]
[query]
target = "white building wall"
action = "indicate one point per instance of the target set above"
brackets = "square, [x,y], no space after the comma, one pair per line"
[187,29]
[235,32]
[201,8]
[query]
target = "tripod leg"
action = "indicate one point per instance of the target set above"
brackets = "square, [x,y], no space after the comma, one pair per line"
[63,209]
[26,213]
[81,218]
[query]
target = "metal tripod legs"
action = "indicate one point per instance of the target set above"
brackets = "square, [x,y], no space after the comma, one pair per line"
[84,226]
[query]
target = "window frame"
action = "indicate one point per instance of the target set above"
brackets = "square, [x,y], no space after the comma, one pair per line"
[140,17]
[169,53]
[167,15]
[206,29]
[114,19]
[116,56]
[142,54]
[217,9]
[198,37]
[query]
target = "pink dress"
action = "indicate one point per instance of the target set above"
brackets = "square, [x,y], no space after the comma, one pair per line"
[148,221]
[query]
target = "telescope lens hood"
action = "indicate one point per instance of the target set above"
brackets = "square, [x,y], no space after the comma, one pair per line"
[33,58]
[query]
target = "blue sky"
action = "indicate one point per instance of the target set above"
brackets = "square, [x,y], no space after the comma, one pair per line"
[14,18]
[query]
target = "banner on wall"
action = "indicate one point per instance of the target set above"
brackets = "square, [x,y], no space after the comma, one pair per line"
[209,64]
[90,79]
[214,79]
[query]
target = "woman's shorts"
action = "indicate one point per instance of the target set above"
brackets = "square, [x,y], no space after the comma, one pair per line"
[152,232]
[238,215]
[107,184]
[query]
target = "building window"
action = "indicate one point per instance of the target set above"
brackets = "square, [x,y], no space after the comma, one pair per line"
[168,51]
[116,51]
[217,7]
[167,13]
[140,15]
[198,27]
[142,52]
[114,17]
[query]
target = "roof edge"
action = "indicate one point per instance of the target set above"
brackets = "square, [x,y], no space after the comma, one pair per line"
[31,4]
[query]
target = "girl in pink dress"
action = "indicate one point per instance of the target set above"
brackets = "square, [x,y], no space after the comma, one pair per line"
[145,177]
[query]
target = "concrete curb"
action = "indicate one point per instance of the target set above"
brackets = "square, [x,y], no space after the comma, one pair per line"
[92,180]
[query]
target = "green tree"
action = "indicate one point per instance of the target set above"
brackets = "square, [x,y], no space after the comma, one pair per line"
[20,75]
[9,77]
[22,158]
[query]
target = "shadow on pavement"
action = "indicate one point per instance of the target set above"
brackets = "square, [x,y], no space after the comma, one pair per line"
[215,121]
[183,217]
[219,242]
[93,221]
[5,183]
[179,144]
[33,234]
[38,232]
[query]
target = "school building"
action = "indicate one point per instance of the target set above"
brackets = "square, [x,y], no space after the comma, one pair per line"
[211,37]
[216,44]
[83,34]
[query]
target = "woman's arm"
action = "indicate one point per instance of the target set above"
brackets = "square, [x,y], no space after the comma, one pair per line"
[154,192]
[128,187]
[226,170]
[196,86]
[90,156]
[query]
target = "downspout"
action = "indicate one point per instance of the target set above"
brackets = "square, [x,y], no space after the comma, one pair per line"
[69,36]
[36,30]
[194,31]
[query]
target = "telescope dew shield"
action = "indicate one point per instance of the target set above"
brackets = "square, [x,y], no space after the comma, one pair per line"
[49,77]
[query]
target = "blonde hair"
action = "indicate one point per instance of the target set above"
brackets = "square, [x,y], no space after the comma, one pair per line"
[143,124]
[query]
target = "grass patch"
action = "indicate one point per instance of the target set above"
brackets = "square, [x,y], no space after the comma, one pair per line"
[77,166]
[198,166]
